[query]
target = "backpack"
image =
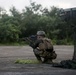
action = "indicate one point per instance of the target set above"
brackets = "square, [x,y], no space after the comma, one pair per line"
[45,44]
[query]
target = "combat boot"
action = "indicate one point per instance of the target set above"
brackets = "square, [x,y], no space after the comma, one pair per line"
[47,61]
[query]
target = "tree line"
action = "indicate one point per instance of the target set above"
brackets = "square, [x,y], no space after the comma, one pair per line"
[18,25]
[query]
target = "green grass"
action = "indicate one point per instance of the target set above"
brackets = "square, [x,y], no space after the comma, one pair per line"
[22,61]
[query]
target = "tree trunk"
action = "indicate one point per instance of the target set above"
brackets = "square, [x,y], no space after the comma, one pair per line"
[74,55]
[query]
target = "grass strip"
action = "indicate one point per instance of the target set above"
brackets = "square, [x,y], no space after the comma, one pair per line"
[22,61]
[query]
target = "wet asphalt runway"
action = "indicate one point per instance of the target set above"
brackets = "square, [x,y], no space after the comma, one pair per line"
[8,55]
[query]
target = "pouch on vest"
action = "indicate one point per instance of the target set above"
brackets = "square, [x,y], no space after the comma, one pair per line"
[46,44]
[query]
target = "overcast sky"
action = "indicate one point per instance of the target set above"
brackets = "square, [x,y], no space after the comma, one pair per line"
[20,4]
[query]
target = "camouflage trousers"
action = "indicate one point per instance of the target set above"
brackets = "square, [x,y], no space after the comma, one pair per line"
[45,54]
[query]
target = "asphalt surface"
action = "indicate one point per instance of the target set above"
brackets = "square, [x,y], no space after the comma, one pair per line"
[9,54]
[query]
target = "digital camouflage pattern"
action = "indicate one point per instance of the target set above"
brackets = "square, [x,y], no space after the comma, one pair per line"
[45,50]
[45,45]
[42,47]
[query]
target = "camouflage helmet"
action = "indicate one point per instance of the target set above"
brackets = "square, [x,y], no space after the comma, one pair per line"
[41,33]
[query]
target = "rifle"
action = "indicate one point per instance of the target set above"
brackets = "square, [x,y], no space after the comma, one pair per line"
[31,39]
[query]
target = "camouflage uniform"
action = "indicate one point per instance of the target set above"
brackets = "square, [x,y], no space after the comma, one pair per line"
[48,54]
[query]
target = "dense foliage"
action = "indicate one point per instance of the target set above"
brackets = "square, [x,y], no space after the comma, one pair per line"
[33,18]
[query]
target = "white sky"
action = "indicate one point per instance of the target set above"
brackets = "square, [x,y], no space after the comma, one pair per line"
[20,4]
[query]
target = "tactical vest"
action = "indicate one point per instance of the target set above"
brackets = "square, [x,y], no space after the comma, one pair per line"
[45,44]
